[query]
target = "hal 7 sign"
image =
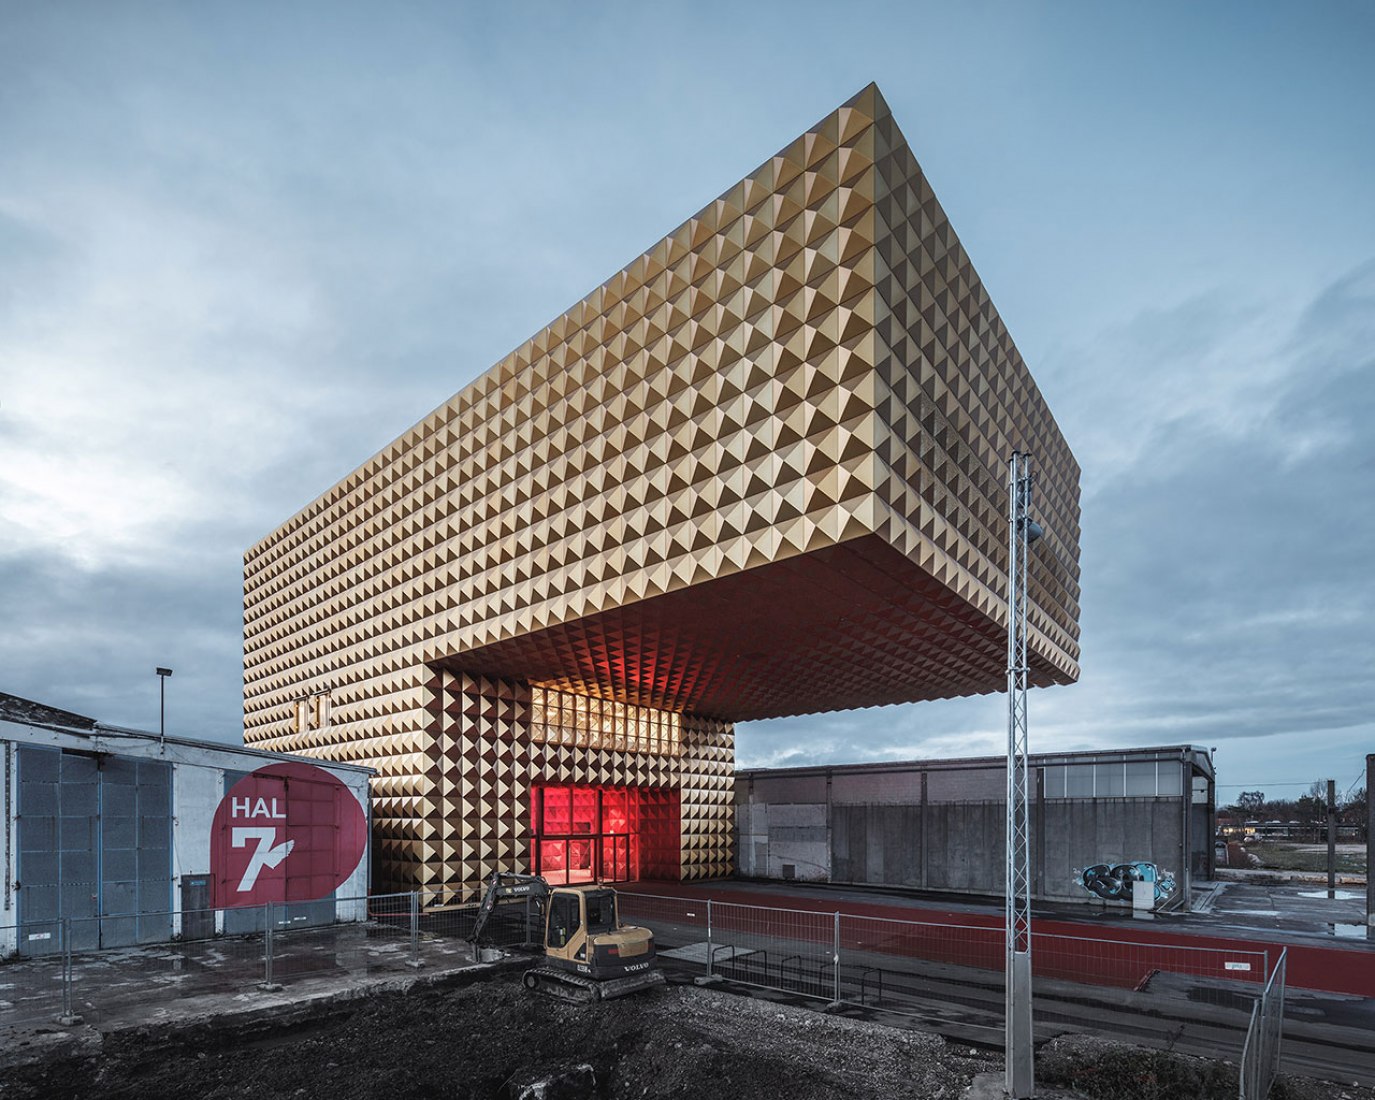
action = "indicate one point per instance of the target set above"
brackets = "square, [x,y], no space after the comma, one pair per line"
[286,832]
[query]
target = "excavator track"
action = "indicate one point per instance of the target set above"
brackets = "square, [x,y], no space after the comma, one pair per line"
[577,989]
[560,984]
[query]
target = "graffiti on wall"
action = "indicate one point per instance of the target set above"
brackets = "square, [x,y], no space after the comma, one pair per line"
[1113,881]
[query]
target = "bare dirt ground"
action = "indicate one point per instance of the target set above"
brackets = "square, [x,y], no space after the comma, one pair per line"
[491,1040]
[1282,855]
[486,1040]
[1099,1069]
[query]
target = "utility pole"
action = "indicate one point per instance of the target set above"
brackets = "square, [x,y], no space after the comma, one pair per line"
[163,673]
[1331,838]
[1370,846]
[1017,1036]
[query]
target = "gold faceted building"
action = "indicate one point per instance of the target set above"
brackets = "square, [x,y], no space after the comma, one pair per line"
[761,471]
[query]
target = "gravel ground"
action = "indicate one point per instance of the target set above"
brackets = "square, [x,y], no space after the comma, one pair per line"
[486,1040]
[490,1040]
[1100,1069]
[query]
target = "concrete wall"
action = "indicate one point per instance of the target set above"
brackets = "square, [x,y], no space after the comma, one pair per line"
[959,846]
[1079,834]
[784,841]
[941,826]
[877,843]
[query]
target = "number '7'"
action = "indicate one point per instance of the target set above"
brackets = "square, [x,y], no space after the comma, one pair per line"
[265,855]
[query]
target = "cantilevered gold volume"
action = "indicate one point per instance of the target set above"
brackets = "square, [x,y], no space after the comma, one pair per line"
[758,472]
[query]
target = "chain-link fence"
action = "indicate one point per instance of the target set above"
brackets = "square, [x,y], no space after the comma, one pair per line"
[952,974]
[1260,1061]
[58,971]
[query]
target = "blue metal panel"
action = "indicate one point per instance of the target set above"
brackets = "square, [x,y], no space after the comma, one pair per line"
[40,828]
[136,877]
[154,846]
[94,848]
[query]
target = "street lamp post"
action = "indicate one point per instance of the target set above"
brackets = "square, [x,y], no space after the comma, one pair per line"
[163,673]
[1022,532]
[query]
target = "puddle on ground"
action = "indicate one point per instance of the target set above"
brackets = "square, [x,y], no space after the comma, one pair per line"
[1352,930]
[1335,895]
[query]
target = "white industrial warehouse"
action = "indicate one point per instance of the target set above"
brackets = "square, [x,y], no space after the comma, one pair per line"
[127,837]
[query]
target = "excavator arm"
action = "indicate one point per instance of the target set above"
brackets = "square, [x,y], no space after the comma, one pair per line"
[503,885]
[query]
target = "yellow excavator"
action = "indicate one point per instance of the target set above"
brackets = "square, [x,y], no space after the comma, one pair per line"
[589,955]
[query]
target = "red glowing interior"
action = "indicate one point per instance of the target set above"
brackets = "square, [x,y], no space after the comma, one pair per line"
[605,834]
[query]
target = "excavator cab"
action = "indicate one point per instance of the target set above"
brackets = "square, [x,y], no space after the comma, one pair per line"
[583,933]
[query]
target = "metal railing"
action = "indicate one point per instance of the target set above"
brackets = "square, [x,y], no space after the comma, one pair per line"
[1260,1059]
[67,971]
[943,972]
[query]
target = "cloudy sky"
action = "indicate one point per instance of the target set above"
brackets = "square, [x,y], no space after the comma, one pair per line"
[245,245]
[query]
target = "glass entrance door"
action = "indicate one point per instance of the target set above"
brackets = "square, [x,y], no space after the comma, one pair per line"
[583,834]
[615,858]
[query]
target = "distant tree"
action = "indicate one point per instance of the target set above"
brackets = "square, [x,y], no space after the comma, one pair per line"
[1281,809]
[1251,801]
[1312,808]
[1354,810]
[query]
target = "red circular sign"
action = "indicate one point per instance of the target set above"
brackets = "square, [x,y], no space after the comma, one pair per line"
[286,832]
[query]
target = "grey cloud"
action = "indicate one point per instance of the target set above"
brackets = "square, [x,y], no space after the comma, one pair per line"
[28,251]
[89,642]
[254,246]
[1226,571]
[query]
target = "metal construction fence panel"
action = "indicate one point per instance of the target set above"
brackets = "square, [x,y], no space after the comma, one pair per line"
[514,922]
[1128,964]
[904,967]
[927,942]
[34,938]
[42,989]
[939,971]
[955,971]
[790,949]
[47,978]
[1260,1060]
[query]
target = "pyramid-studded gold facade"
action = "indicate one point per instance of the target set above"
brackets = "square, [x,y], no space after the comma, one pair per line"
[760,471]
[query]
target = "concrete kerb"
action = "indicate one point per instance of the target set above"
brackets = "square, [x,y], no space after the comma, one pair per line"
[1205,898]
[992,1086]
[1268,877]
[300,1002]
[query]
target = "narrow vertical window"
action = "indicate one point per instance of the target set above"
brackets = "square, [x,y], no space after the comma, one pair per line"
[321,702]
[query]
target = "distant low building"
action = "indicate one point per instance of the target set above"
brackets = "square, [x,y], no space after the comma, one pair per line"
[1230,827]
[1098,820]
[118,837]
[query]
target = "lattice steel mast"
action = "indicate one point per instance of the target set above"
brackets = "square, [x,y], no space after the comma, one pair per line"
[1022,531]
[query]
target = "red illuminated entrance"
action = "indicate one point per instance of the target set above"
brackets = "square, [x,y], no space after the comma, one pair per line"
[605,834]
